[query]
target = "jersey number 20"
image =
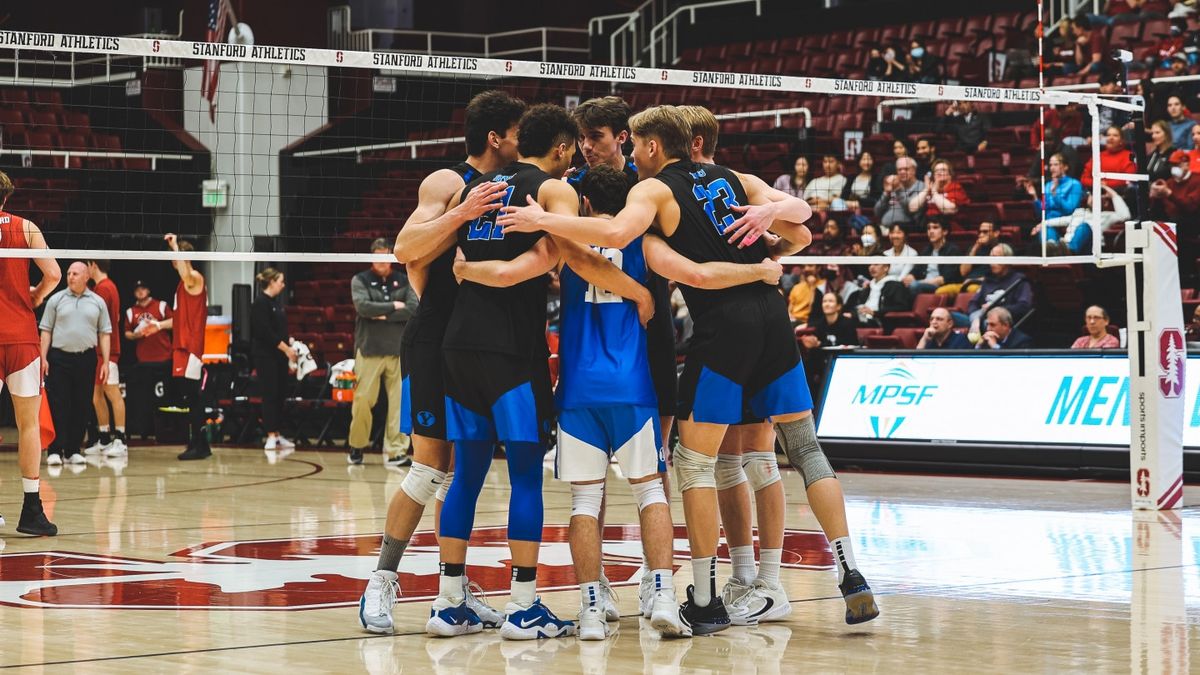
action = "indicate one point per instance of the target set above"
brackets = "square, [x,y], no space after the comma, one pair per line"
[485,228]
[717,195]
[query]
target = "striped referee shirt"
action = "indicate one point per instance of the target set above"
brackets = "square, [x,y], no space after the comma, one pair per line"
[75,322]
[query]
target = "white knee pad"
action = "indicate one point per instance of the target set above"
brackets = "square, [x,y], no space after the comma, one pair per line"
[445,488]
[729,472]
[422,483]
[762,469]
[586,499]
[694,469]
[649,493]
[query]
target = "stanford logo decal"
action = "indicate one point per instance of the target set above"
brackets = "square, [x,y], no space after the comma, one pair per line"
[319,572]
[1172,359]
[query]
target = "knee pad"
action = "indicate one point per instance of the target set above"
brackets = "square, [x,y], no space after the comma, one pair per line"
[586,499]
[445,487]
[799,441]
[422,483]
[649,493]
[762,469]
[694,469]
[729,473]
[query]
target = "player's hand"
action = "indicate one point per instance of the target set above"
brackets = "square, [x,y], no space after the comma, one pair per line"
[522,218]
[755,221]
[482,198]
[172,241]
[771,270]
[290,354]
[104,373]
[35,298]
[645,308]
[45,368]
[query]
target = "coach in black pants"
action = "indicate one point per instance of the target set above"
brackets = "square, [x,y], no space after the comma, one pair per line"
[271,352]
[74,327]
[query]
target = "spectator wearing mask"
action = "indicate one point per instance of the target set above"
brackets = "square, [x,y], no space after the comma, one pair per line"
[884,65]
[895,205]
[970,128]
[1061,194]
[899,248]
[922,66]
[1077,235]
[942,196]
[821,191]
[1000,333]
[879,295]
[1096,320]
[1002,287]
[1158,164]
[935,278]
[940,333]
[870,243]
[1181,123]
[866,187]
[795,182]
[831,327]
[272,353]
[1114,158]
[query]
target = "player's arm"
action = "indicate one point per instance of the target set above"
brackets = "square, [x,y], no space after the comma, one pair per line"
[440,211]
[51,272]
[769,209]
[711,275]
[193,281]
[780,246]
[504,273]
[641,207]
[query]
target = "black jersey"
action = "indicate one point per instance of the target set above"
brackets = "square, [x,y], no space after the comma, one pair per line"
[706,194]
[504,320]
[630,171]
[429,322]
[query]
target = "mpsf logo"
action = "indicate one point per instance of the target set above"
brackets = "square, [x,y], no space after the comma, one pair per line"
[899,389]
[1172,359]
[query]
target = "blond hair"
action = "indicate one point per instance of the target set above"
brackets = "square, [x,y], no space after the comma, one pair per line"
[668,126]
[6,187]
[704,124]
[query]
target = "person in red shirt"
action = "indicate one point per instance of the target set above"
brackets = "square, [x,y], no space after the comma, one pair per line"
[143,327]
[942,194]
[20,354]
[112,431]
[1114,158]
[1177,200]
[187,346]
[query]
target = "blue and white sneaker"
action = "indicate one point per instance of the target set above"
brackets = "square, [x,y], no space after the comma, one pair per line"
[450,619]
[533,622]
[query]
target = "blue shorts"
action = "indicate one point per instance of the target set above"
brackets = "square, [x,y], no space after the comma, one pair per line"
[588,437]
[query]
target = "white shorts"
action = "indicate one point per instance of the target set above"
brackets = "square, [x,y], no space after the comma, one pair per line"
[588,437]
[114,374]
[23,376]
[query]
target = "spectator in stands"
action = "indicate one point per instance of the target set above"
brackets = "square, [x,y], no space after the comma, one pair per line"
[831,242]
[940,333]
[794,183]
[942,196]
[1178,201]
[1194,153]
[970,128]
[1192,331]
[987,239]
[820,192]
[1181,8]
[1091,47]
[272,352]
[926,155]
[1002,287]
[899,149]
[869,242]
[152,347]
[899,248]
[810,286]
[899,191]
[831,327]
[1077,237]
[1061,194]
[879,295]
[1098,337]
[385,302]
[1114,158]
[75,326]
[934,277]
[922,66]
[1181,122]
[1000,333]
[1158,165]
[1054,146]
[1160,55]
[866,186]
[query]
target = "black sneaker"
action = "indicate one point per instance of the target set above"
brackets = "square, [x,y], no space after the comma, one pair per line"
[860,602]
[704,620]
[195,452]
[355,456]
[33,519]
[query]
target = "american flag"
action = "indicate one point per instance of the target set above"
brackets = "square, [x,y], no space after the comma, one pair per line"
[218,20]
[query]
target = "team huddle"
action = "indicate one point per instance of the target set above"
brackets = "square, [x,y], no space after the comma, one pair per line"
[475,359]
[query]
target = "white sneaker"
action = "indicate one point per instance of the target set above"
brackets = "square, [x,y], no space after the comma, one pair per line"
[592,625]
[646,593]
[76,459]
[272,443]
[764,602]
[733,591]
[473,594]
[664,615]
[375,606]
[608,601]
[54,459]
[95,448]
[116,449]
[285,444]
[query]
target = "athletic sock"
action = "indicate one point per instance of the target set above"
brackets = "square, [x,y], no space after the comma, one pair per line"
[105,435]
[450,585]
[120,433]
[768,565]
[31,485]
[743,563]
[704,573]
[843,554]
[524,586]
[390,553]
[589,593]
[663,581]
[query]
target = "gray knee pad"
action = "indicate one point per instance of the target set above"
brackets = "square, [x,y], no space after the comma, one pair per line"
[799,441]
[694,469]
[761,469]
[729,472]
[422,483]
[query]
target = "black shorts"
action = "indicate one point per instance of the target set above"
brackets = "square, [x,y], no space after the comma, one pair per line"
[743,358]
[497,397]
[423,402]
[660,349]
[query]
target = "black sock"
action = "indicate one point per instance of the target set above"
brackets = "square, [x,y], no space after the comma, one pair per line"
[524,573]
[454,569]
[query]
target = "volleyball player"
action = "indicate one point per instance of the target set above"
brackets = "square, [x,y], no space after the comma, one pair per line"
[187,346]
[20,356]
[491,133]
[112,431]
[743,349]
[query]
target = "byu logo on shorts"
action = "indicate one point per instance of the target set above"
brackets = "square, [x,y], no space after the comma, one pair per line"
[426,418]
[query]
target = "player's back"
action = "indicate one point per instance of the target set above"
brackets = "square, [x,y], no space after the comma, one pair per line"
[16,305]
[504,320]
[603,361]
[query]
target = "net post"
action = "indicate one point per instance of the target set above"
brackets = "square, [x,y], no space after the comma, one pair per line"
[1157,366]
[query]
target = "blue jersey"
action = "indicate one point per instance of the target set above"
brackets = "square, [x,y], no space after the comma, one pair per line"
[603,359]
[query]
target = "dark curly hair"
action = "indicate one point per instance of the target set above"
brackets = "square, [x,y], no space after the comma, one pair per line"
[490,111]
[606,111]
[544,126]
[605,188]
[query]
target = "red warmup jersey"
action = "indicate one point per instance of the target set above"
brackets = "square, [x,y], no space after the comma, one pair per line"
[191,315]
[157,347]
[17,323]
[107,291]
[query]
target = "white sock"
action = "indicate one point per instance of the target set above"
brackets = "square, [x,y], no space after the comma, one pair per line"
[704,575]
[663,581]
[451,588]
[743,563]
[589,593]
[843,555]
[31,485]
[768,565]
[524,593]
[120,429]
